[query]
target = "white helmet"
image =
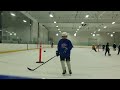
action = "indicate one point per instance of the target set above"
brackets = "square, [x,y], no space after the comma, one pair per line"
[64,34]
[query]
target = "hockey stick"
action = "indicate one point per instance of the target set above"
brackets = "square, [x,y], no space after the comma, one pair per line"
[41,64]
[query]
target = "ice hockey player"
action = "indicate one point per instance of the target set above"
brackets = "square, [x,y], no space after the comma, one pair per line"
[107,49]
[64,50]
[114,47]
[93,48]
[52,44]
[98,47]
[103,47]
[118,49]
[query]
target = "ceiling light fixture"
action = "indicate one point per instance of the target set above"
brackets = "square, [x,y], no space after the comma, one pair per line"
[10,33]
[113,22]
[51,15]
[12,14]
[57,34]
[87,16]
[98,29]
[24,21]
[14,34]
[54,21]
[79,26]
[75,34]
[93,35]
[82,22]
[105,26]
[111,35]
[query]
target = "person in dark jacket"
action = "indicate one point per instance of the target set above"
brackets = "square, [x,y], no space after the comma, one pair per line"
[114,47]
[107,49]
[64,50]
[52,44]
[103,47]
[118,49]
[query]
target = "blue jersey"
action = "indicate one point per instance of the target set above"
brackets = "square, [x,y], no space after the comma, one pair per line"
[64,47]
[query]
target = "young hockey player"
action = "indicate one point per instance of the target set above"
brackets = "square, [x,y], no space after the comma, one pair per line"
[64,49]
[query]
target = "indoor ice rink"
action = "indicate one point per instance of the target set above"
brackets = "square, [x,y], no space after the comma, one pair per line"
[23,32]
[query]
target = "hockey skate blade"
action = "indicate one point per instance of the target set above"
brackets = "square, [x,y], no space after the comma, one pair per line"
[66,75]
[109,54]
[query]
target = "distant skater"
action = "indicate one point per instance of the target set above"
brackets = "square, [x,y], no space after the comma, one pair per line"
[98,47]
[93,48]
[107,50]
[118,49]
[52,44]
[103,47]
[114,47]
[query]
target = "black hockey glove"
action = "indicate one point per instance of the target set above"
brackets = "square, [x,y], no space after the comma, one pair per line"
[57,53]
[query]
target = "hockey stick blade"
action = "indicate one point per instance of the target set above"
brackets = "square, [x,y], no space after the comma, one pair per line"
[30,69]
[41,64]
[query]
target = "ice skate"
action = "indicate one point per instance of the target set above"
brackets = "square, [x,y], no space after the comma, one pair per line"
[64,72]
[70,72]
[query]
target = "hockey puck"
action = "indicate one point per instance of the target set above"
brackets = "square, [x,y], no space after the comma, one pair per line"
[44,51]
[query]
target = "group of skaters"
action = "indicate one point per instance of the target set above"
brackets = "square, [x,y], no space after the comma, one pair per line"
[106,48]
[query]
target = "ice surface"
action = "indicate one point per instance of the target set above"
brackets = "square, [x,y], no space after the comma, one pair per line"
[86,64]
